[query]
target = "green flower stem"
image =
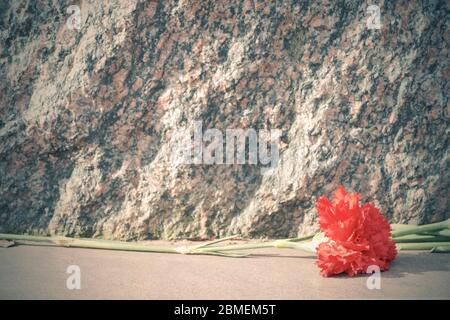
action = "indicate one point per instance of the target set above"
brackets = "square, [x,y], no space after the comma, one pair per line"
[443,233]
[424,246]
[434,236]
[308,247]
[399,226]
[128,246]
[421,229]
[421,238]
[232,247]
[286,243]
[123,246]
[25,237]
[441,249]
[215,241]
[89,243]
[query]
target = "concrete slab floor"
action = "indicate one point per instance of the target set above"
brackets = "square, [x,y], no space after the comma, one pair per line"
[39,272]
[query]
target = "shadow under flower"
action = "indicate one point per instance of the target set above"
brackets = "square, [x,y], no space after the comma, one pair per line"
[417,263]
[410,263]
[405,264]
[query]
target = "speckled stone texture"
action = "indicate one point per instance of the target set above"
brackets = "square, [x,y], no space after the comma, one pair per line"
[88,117]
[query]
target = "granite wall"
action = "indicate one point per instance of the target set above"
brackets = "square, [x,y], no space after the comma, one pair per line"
[90,112]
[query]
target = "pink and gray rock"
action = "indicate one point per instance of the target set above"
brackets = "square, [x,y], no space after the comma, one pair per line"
[88,117]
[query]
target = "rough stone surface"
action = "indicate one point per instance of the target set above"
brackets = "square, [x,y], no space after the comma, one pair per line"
[88,117]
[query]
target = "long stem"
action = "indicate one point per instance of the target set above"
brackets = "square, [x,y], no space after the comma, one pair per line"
[245,246]
[123,246]
[89,243]
[420,238]
[306,247]
[400,226]
[24,237]
[441,249]
[286,243]
[127,246]
[207,244]
[421,229]
[423,245]
[443,233]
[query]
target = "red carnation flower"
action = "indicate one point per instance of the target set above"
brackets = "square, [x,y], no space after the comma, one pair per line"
[357,236]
